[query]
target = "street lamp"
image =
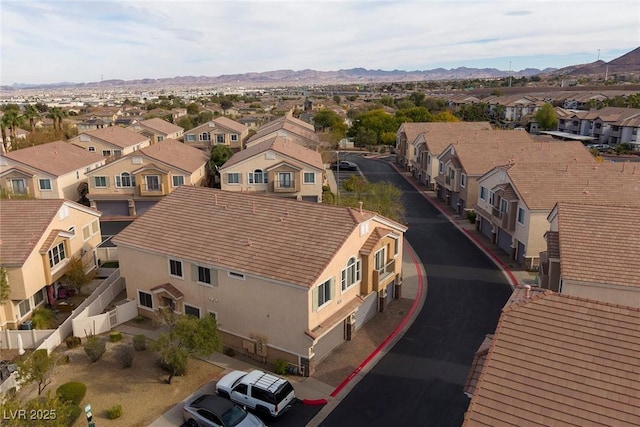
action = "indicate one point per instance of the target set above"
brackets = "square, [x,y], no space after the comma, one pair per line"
[337,176]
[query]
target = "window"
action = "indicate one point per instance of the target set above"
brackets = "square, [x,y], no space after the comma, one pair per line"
[220,138]
[95,226]
[324,292]
[309,178]
[190,138]
[463,180]
[160,138]
[491,197]
[44,184]
[100,181]
[145,299]
[24,307]
[136,160]
[204,136]
[380,259]
[153,182]
[520,216]
[257,177]
[106,153]
[177,180]
[125,179]
[284,180]
[483,193]
[441,167]
[504,206]
[72,230]
[235,275]
[233,178]
[204,275]
[56,255]
[86,232]
[191,311]
[38,297]
[18,186]
[234,137]
[92,149]
[351,274]
[175,268]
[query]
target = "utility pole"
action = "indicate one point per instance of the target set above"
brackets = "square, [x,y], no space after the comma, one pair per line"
[509,73]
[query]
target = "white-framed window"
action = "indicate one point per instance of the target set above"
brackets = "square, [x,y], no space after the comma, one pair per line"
[86,232]
[95,226]
[57,254]
[504,206]
[351,274]
[106,153]
[100,181]
[234,137]
[136,160]
[72,230]
[204,136]
[520,216]
[117,153]
[441,167]
[285,180]
[92,149]
[153,182]
[483,193]
[44,184]
[258,177]
[235,275]
[220,138]
[233,178]
[177,180]
[160,138]
[309,178]
[18,186]
[380,258]
[491,197]
[145,299]
[463,180]
[191,310]
[204,275]
[25,307]
[125,180]
[190,138]
[175,268]
[323,294]
[38,297]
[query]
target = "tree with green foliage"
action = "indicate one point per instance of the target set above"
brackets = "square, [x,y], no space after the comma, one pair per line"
[37,367]
[186,123]
[187,336]
[546,117]
[381,197]
[31,113]
[75,275]
[5,290]
[475,112]
[55,412]
[225,104]
[193,109]
[374,122]
[57,114]
[219,156]
[445,116]
[12,120]
[326,119]
[417,98]
[414,114]
[337,99]
[203,117]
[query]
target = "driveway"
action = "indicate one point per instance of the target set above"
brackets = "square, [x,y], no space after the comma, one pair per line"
[420,380]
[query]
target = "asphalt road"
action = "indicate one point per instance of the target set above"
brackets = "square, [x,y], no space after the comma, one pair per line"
[419,382]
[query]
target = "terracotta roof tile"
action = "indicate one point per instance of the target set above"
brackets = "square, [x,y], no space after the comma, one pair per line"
[561,360]
[55,158]
[231,124]
[599,243]
[291,125]
[479,359]
[282,145]
[437,131]
[160,126]
[377,234]
[118,136]
[284,240]
[168,288]
[175,153]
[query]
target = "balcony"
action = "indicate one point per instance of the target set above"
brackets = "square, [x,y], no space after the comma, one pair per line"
[152,190]
[383,276]
[281,186]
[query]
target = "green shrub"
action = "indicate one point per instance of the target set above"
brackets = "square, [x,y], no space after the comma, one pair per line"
[43,318]
[74,413]
[383,149]
[115,336]
[229,352]
[139,342]
[73,342]
[114,412]
[72,392]
[124,355]
[169,369]
[471,216]
[281,367]
[95,348]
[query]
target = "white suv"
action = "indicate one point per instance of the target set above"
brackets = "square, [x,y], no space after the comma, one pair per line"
[263,392]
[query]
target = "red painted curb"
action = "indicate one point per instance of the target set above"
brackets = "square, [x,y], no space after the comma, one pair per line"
[396,331]
[314,402]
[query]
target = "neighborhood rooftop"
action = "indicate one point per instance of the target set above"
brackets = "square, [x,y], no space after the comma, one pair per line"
[55,158]
[282,145]
[117,136]
[161,125]
[175,153]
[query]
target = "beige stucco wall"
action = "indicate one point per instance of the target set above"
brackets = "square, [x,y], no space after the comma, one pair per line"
[537,227]
[623,295]
[100,145]
[213,131]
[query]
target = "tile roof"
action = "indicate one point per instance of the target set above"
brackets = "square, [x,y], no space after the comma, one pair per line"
[285,146]
[440,130]
[231,124]
[599,243]
[479,360]
[290,124]
[168,288]
[541,186]
[284,240]
[177,154]
[561,360]
[160,126]
[55,158]
[377,235]
[23,224]
[438,136]
[118,136]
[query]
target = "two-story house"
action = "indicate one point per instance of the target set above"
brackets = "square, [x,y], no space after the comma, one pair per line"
[513,108]
[609,125]
[157,130]
[592,251]
[221,130]
[559,360]
[48,171]
[39,240]
[284,280]
[289,127]
[130,185]
[111,142]
[515,200]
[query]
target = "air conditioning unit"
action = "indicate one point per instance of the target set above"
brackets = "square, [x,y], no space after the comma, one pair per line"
[249,346]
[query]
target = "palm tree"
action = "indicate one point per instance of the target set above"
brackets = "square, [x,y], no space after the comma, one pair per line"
[12,120]
[57,114]
[3,128]
[31,113]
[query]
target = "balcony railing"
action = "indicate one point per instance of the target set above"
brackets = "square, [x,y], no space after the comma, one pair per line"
[285,186]
[152,190]
[382,276]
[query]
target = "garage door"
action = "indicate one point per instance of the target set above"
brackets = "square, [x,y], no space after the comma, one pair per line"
[367,309]
[310,199]
[504,240]
[390,289]
[143,206]
[328,342]
[113,207]
[454,200]
[485,227]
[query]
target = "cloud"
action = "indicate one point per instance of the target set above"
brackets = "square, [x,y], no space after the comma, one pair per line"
[48,41]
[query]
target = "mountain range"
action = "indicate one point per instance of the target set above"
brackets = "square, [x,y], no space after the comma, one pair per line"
[626,64]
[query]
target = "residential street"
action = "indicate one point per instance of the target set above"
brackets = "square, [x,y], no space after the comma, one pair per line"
[420,380]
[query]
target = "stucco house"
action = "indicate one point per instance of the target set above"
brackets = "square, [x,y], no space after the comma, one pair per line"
[48,171]
[515,200]
[130,185]
[592,251]
[609,125]
[559,360]
[39,240]
[111,142]
[157,129]
[276,166]
[221,130]
[285,280]
[289,127]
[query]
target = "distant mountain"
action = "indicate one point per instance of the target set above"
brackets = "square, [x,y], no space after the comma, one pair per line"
[628,64]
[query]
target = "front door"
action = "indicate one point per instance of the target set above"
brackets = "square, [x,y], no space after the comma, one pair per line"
[153,182]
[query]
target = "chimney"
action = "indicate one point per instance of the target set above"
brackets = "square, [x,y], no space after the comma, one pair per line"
[360,203]
[527,291]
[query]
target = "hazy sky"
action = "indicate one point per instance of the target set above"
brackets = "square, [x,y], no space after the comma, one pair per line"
[80,41]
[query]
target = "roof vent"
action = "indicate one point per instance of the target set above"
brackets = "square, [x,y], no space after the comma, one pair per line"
[527,291]
[249,242]
[360,203]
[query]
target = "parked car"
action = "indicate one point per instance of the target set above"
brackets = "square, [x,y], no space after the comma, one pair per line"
[265,393]
[209,410]
[599,147]
[344,165]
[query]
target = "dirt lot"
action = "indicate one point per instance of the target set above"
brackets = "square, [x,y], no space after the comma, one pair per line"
[141,390]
